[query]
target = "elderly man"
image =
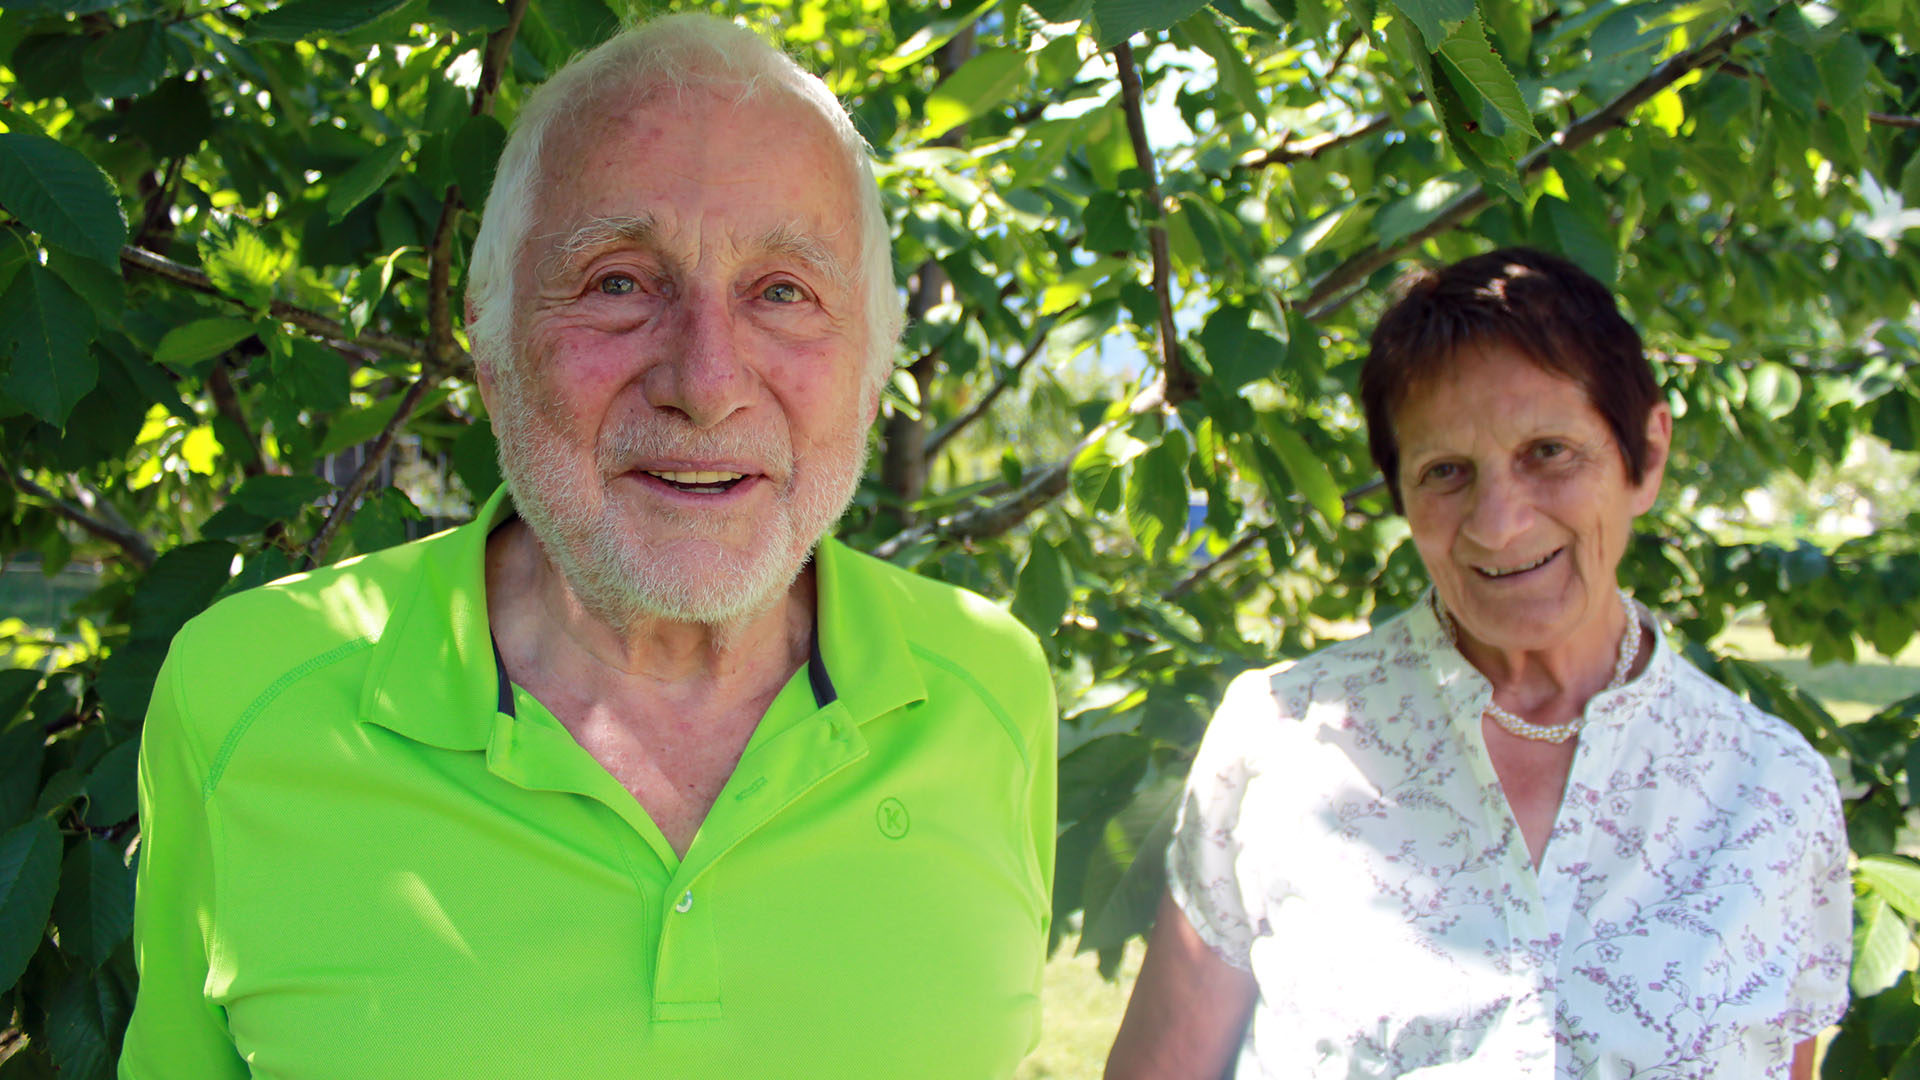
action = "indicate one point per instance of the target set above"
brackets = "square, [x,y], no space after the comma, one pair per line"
[636,775]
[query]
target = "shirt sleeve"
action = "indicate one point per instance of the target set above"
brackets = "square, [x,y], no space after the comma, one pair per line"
[1203,859]
[175,1031]
[1823,897]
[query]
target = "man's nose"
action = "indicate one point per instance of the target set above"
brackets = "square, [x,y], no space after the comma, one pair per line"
[703,375]
[1500,512]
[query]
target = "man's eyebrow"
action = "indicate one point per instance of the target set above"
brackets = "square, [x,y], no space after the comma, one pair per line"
[808,248]
[594,236]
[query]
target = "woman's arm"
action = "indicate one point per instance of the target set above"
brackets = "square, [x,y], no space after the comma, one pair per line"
[1188,1012]
[1803,1060]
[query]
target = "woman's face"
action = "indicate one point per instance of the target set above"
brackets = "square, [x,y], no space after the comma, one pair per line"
[1519,501]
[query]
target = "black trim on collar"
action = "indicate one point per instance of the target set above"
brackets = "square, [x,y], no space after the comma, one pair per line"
[823,692]
[500,672]
[817,678]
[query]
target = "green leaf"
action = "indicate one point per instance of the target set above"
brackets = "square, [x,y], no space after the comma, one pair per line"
[364,179]
[1581,240]
[62,196]
[380,522]
[1109,221]
[94,907]
[242,263]
[178,586]
[1127,870]
[1237,352]
[187,347]
[1474,58]
[469,16]
[1897,880]
[17,688]
[1880,944]
[278,498]
[29,875]
[1230,63]
[1309,474]
[44,331]
[1041,594]
[1157,495]
[111,796]
[173,120]
[86,1018]
[1117,20]
[307,375]
[476,460]
[980,85]
[22,751]
[476,150]
[1437,19]
[127,62]
[305,18]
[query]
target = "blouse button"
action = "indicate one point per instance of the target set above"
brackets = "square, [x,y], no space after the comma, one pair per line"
[685,903]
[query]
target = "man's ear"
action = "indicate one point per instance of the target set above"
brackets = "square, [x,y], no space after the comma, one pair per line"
[1659,445]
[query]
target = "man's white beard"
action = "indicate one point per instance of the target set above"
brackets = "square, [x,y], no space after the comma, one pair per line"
[617,576]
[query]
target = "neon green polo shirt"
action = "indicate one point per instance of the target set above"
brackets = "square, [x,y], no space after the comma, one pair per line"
[361,859]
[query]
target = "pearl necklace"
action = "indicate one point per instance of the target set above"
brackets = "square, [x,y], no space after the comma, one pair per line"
[1526,729]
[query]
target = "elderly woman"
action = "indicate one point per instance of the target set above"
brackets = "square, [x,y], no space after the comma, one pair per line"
[1509,832]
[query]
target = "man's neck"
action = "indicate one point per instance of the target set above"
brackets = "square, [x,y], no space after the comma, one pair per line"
[542,627]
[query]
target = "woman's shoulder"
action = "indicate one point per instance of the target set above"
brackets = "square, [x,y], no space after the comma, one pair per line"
[1774,751]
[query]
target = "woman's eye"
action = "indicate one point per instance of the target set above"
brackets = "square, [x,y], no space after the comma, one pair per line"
[1442,472]
[618,285]
[1550,449]
[783,292]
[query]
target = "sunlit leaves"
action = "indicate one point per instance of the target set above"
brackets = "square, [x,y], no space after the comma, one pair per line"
[982,83]
[241,262]
[1041,592]
[195,343]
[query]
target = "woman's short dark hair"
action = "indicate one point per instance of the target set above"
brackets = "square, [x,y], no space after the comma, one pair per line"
[1551,311]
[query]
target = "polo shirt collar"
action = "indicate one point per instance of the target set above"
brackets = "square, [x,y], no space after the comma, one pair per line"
[860,633]
[434,672]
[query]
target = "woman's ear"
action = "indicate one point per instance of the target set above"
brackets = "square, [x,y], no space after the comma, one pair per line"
[1659,444]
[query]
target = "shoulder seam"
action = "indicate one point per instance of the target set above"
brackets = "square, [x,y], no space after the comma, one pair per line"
[992,703]
[259,705]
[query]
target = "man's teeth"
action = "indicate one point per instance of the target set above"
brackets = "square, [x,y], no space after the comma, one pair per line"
[698,478]
[1491,571]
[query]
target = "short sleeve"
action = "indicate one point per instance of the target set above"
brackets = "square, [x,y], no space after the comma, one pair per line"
[1203,859]
[175,1031]
[1823,955]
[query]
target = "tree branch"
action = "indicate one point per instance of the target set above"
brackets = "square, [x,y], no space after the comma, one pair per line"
[1047,485]
[1340,285]
[312,322]
[132,544]
[1887,119]
[499,47]
[1308,149]
[348,503]
[1234,550]
[1175,376]
[947,431]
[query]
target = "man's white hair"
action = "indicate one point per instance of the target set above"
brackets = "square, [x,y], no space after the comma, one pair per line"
[679,51]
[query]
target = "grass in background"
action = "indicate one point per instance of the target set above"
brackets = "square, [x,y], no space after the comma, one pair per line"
[1082,1011]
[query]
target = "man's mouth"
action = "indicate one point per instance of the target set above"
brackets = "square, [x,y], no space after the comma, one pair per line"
[1511,571]
[697,481]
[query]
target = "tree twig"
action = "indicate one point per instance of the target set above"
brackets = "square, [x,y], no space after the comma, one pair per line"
[136,548]
[312,322]
[1178,379]
[1308,149]
[939,439]
[1234,550]
[348,503]
[1886,119]
[1341,284]
[494,62]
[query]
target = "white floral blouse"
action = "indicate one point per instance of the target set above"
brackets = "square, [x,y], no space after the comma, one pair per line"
[1344,838]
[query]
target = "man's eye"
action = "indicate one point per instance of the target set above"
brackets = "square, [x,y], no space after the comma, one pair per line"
[783,292]
[618,285]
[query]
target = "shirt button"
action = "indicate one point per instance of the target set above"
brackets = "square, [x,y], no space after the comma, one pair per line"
[685,903]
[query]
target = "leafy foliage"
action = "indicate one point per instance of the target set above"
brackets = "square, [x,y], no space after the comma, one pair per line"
[1142,242]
